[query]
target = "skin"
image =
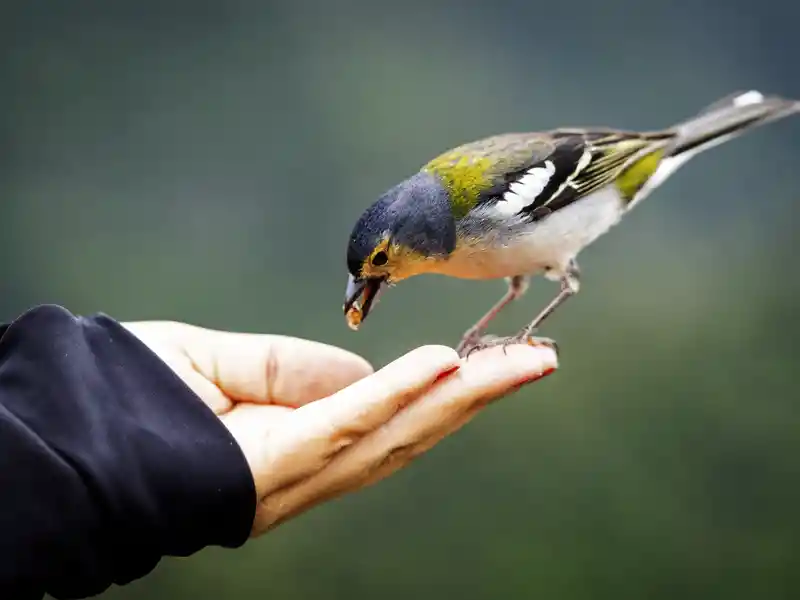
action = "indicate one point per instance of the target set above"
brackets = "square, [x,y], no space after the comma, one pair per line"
[315,421]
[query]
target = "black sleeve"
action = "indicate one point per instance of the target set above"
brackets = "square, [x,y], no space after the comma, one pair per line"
[107,460]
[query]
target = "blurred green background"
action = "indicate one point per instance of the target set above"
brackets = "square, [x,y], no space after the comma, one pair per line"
[205,162]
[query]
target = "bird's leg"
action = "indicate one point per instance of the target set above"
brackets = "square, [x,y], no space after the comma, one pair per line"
[570,284]
[517,286]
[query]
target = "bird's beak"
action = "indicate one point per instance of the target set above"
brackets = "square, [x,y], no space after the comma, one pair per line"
[359,297]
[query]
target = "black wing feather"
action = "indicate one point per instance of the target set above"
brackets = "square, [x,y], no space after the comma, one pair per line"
[585,161]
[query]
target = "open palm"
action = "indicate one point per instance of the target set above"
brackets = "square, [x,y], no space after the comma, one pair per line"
[315,422]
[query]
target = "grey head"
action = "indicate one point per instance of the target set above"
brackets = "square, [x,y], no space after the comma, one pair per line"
[410,224]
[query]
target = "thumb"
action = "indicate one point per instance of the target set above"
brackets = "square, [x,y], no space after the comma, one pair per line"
[268,369]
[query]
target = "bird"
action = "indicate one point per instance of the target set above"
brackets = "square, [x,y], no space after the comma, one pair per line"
[516,205]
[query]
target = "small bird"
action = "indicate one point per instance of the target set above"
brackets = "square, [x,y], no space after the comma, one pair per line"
[516,205]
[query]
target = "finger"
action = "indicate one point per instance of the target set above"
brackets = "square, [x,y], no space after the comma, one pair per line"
[268,518]
[273,369]
[401,457]
[447,406]
[210,394]
[485,377]
[314,433]
[165,339]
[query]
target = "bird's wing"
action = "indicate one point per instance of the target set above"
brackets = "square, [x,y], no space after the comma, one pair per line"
[479,171]
[534,174]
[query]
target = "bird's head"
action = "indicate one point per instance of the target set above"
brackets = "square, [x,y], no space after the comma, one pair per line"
[404,233]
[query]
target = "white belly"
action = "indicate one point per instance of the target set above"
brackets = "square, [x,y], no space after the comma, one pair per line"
[548,245]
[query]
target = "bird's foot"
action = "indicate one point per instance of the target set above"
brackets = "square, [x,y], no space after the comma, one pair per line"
[490,341]
[470,339]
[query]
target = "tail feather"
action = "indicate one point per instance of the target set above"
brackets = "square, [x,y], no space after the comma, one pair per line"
[717,123]
[727,118]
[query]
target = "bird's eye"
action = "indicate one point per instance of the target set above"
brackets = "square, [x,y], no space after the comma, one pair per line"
[380,259]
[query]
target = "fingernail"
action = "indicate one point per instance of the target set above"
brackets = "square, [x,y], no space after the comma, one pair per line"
[541,375]
[444,374]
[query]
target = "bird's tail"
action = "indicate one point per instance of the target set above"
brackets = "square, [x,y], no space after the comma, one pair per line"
[727,118]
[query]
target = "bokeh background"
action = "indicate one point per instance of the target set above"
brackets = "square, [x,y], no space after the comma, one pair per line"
[205,162]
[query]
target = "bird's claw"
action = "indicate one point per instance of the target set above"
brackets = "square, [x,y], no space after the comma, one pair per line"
[490,341]
[469,341]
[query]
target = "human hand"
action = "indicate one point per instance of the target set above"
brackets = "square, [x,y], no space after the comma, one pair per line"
[314,422]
